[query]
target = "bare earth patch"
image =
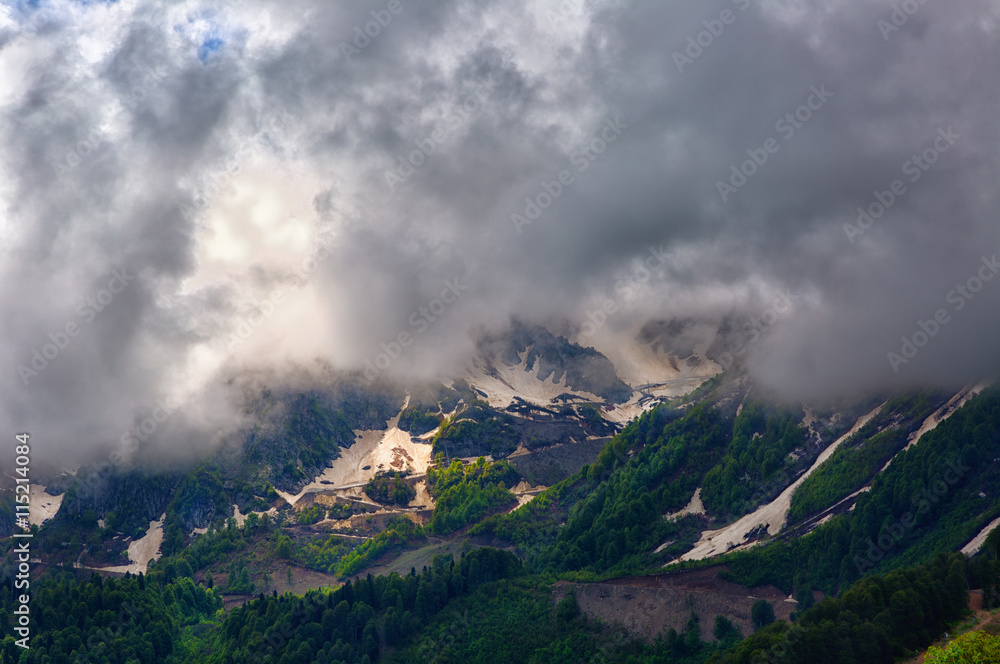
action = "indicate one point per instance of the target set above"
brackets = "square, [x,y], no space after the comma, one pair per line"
[649,605]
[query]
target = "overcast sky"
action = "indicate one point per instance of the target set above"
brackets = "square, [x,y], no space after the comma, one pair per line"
[243,167]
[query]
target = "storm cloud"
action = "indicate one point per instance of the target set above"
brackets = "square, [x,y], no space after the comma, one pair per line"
[191,189]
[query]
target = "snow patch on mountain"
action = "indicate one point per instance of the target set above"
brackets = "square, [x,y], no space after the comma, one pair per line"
[939,416]
[147,548]
[695,506]
[771,516]
[503,384]
[626,412]
[241,518]
[42,506]
[973,547]
[423,499]
[946,411]
[141,551]
[373,451]
[657,373]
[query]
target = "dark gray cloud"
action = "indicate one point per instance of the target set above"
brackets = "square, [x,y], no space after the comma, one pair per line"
[211,150]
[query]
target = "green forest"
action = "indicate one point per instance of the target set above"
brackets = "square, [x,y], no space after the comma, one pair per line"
[888,589]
